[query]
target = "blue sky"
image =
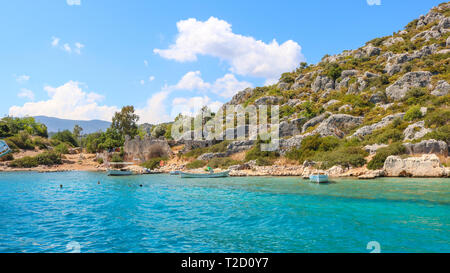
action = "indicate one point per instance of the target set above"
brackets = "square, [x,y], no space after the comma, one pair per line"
[84,59]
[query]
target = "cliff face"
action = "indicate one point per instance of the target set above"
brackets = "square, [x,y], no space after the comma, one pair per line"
[140,150]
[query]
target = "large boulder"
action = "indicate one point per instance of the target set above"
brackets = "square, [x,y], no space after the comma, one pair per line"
[393,40]
[338,125]
[239,146]
[241,96]
[442,88]
[415,131]
[378,97]
[291,143]
[424,166]
[367,130]
[316,120]
[290,128]
[372,149]
[322,83]
[268,100]
[429,146]
[209,156]
[142,149]
[397,90]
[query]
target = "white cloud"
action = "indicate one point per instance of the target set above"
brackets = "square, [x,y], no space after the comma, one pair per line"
[67,101]
[73,2]
[146,63]
[225,87]
[55,41]
[374,2]
[67,48]
[78,47]
[26,93]
[228,85]
[246,55]
[142,82]
[191,106]
[22,78]
[155,110]
[151,78]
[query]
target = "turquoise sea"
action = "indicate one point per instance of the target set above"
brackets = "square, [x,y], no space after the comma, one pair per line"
[242,214]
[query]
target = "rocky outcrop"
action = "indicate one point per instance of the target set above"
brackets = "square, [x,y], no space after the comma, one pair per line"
[357,87]
[141,150]
[330,103]
[293,102]
[349,73]
[314,121]
[428,18]
[302,80]
[397,91]
[393,40]
[239,146]
[415,131]
[338,125]
[290,128]
[429,146]
[322,83]
[345,108]
[378,97]
[366,130]
[240,97]
[442,88]
[291,143]
[209,156]
[372,149]
[268,100]
[424,166]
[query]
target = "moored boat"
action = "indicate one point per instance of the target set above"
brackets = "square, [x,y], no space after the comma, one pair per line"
[117,170]
[4,148]
[175,172]
[204,175]
[319,178]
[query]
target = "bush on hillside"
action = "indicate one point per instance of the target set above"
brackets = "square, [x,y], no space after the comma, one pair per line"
[67,137]
[153,163]
[46,158]
[196,164]
[377,161]
[413,113]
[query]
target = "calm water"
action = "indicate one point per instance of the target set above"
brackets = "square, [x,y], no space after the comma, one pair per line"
[169,214]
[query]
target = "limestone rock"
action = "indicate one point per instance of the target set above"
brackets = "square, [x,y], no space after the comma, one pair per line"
[372,149]
[345,108]
[316,120]
[378,97]
[415,131]
[424,166]
[209,156]
[241,96]
[337,125]
[290,143]
[429,146]
[397,90]
[393,40]
[141,150]
[366,130]
[349,73]
[268,100]
[239,146]
[330,103]
[322,83]
[442,88]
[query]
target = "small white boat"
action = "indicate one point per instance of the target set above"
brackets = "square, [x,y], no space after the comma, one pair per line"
[204,175]
[319,178]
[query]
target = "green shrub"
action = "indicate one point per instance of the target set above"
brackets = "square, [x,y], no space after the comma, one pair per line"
[61,149]
[441,133]
[41,143]
[413,113]
[255,152]
[100,160]
[22,140]
[223,162]
[116,158]
[343,156]
[7,157]
[153,163]
[377,161]
[261,161]
[67,137]
[217,148]
[311,145]
[334,71]
[46,158]
[438,118]
[196,164]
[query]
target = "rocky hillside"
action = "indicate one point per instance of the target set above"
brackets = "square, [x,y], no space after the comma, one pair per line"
[389,97]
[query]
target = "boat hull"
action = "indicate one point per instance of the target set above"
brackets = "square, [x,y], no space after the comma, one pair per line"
[204,175]
[118,173]
[319,178]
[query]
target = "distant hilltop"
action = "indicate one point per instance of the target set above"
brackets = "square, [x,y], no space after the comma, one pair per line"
[56,124]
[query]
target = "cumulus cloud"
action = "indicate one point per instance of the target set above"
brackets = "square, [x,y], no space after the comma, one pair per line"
[26,93]
[67,101]
[22,78]
[73,2]
[151,78]
[155,110]
[191,106]
[373,2]
[78,47]
[146,63]
[246,55]
[225,87]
